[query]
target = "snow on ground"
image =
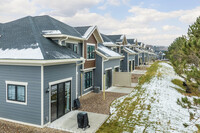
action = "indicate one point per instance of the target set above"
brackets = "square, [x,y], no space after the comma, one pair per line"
[157,109]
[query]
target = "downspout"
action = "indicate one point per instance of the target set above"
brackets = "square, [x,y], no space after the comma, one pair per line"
[81,75]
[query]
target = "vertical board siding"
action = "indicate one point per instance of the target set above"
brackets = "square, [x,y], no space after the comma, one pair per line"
[54,73]
[30,113]
[98,72]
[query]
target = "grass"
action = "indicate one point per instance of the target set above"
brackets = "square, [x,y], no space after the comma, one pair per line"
[125,119]
[193,87]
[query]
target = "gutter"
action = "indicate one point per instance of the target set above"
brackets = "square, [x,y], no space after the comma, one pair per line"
[38,62]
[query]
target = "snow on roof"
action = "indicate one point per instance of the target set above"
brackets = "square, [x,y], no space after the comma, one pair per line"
[51,32]
[130,51]
[138,50]
[108,52]
[89,30]
[122,37]
[29,53]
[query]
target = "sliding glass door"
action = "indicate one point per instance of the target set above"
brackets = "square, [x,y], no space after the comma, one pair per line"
[60,99]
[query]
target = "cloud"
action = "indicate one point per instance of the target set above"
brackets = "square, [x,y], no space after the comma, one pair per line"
[170,27]
[141,24]
[108,3]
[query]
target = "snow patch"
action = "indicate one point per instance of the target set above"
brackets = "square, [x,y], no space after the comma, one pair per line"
[51,32]
[108,51]
[89,30]
[29,53]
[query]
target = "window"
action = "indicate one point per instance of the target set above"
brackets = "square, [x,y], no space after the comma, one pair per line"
[90,51]
[75,48]
[16,92]
[88,79]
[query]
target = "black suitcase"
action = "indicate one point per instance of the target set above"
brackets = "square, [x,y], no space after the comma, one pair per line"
[82,119]
[77,104]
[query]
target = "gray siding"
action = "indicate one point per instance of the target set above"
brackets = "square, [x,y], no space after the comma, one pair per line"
[54,73]
[136,60]
[30,113]
[98,72]
[111,63]
[131,57]
[125,63]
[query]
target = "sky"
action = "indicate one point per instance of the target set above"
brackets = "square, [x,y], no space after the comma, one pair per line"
[153,22]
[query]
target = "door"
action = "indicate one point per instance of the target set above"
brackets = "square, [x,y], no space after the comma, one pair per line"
[108,78]
[60,99]
[133,65]
[130,66]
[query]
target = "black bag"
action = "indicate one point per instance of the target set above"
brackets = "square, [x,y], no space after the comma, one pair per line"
[77,104]
[82,120]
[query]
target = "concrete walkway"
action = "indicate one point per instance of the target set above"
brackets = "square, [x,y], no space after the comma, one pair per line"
[69,122]
[119,89]
[139,72]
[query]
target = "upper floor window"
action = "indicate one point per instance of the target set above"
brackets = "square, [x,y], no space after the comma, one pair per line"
[75,48]
[90,51]
[16,92]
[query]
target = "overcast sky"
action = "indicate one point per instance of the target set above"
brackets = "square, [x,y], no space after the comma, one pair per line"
[155,22]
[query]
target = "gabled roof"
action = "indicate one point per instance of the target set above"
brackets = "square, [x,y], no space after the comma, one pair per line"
[138,50]
[128,50]
[107,41]
[131,41]
[107,53]
[22,39]
[86,32]
[117,38]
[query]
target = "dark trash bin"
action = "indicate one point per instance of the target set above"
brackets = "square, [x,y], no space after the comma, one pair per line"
[82,120]
[77,104]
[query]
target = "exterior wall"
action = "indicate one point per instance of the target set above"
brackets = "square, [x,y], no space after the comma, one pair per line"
[89,63]
[98,71]
[111,64]
[125,63]
[131,57]
[83,90]
[136,60]
[30,113]
[54,73]
[143,58]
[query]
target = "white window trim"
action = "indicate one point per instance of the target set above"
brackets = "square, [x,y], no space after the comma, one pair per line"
[85,89]
[108,68]
[116,67]
[16,83]
[90,44]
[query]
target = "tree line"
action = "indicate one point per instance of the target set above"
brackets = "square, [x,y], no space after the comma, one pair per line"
[184,54]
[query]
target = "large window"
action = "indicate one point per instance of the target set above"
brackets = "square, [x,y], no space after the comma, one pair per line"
[88,79]
[90,51]
[16,92]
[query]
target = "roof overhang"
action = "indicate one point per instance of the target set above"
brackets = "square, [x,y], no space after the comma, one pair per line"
[130,52]
[96,33]
[108,58]
[62,36]
[38,62]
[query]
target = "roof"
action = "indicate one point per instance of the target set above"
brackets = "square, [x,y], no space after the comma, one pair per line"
[22,39]
[128,50]
[107,41]
[131,41]
[107,52]
[86,32]
[138,50]
[115,38]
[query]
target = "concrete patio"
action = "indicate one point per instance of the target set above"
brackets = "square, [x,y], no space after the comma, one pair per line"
[69,122]
[120,90]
